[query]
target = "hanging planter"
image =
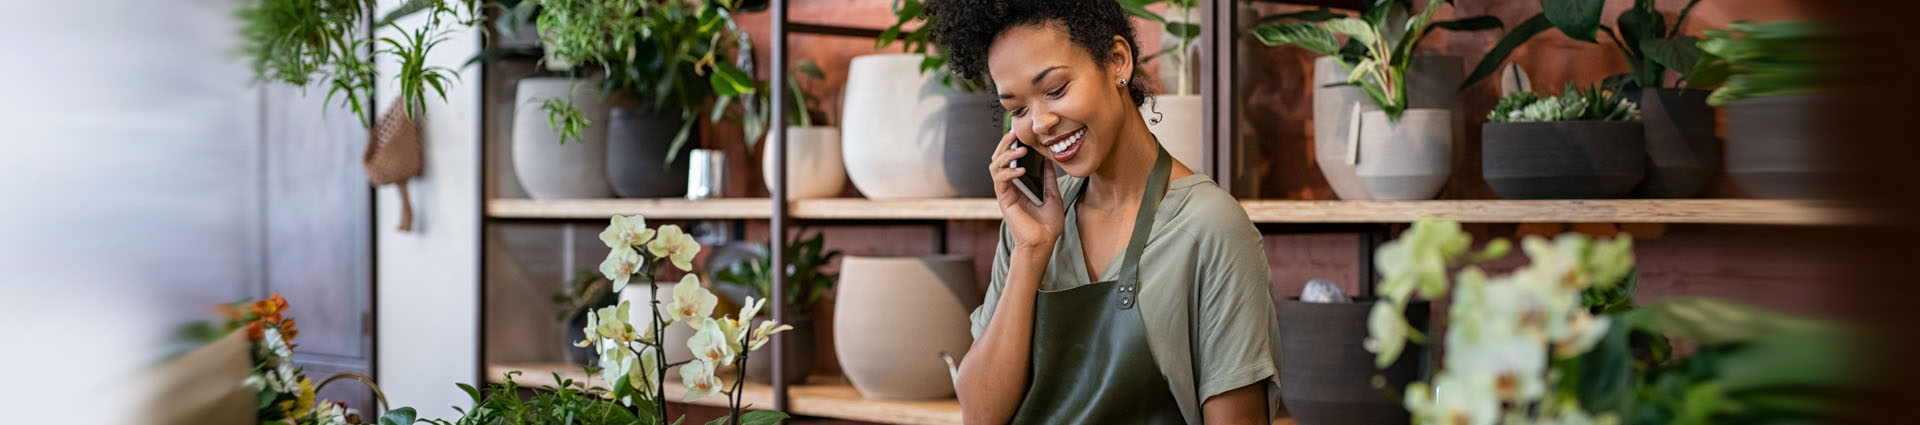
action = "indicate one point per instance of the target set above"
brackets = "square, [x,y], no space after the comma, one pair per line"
[893,317]
[1404,160]
[638,143]
[1682,153]
[1581,144]
[546,168]
[1326,373]
[905,135]
[814,167]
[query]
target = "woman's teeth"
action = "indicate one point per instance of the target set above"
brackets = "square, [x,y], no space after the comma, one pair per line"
[1062,146]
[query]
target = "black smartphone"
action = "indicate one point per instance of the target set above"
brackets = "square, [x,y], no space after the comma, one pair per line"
[1031,183]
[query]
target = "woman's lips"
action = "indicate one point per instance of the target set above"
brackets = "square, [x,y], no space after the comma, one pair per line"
[1076,139]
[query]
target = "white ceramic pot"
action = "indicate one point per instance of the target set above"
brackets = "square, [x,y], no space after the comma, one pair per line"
[1179,128]
[1405,160]
[642,312]
[814,167]
[1431,83]
[905,135]
[894,316]
[547,169]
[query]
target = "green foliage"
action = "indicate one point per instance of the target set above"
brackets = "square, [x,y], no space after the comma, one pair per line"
[1379,45]
[304,42]
[1573,104]
[1641,33]
[920,40]
[801,107]
[1753,366]
[1763,59]
[572,402]
[805,281]
[671,54]
[1182,22]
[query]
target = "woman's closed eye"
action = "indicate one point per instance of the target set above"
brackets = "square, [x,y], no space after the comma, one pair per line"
[1057,92]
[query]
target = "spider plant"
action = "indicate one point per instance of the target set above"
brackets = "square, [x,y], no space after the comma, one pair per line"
[304,42]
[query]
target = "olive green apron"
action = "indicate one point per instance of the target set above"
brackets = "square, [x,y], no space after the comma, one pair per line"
[1089,359]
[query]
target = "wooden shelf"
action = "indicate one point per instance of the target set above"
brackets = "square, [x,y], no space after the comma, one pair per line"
[835,400]
[831,400]
[728,208]
[1675,211]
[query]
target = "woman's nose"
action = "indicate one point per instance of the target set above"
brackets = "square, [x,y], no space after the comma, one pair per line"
[1043,121]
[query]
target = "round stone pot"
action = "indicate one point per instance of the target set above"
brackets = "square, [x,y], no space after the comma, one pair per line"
[545,168]
[905,135]
[1773,148]
[1431,84]
[814,169]
[1326,373]
[638,140]
[894,316]
[1408,159]
[798,353]
[1563,159]
[1682,154]
[1178,126]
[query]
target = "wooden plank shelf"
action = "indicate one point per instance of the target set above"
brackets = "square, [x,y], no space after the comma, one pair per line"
[1672,211]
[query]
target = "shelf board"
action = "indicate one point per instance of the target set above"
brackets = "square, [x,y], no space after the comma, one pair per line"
[1673,211]
[728,208]
[827,400]
[838,401]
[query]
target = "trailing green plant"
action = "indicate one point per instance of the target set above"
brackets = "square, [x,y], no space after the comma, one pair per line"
[920,40]
[1750,59]
[805,280]
[572,402]
[1572,104]
[308,42]
[674,55]
[1181,22]
[801,107]
[1642,34]
[1379,45]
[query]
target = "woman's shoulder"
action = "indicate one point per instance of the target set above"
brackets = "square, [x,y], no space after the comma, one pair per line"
[1199,205]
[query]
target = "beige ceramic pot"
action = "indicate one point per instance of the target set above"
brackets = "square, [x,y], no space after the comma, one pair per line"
[1175,120]
[894,316]
[814,169]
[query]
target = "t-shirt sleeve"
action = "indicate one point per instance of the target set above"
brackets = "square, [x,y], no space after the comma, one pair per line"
[983,314]
[1235,331]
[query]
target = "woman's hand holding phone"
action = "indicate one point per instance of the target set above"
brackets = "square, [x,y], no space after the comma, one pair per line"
[1032,226]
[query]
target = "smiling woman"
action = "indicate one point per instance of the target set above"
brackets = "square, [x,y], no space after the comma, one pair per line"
[1179,327]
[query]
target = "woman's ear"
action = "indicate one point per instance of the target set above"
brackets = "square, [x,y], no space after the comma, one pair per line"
[1120,67]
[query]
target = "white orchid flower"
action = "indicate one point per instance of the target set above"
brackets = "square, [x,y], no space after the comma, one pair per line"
[628,231]
[613,323]
[699,379]
[709,343]
[1386,333]
[1584,331]
[765,332]
[1515,364]
[620,266]
[690,300]
[1455,400]
[642,376]
[676,246]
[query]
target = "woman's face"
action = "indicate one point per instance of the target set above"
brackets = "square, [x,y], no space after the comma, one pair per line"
[1063,104]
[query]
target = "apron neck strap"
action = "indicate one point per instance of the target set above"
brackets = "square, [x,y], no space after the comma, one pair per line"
[1143,221]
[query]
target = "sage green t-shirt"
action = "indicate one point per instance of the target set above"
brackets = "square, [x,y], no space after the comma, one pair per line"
[1205,292]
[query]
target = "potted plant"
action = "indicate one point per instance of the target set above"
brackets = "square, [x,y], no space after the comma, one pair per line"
[1403,150]
[1776,87]
[909,129]
[588,292]
[814,167]
[303,44]
[1174,115]
[1580,144]
[1682,152]
[806,283]
[671,57]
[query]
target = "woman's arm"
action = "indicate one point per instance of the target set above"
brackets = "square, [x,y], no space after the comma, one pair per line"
[993,376]
[1240,406]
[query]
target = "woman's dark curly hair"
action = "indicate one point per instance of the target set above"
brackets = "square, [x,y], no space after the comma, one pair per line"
[964,29]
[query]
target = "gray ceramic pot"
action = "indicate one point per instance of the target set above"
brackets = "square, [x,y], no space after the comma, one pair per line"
[1682,154]
[1408,159]
[799,353]
[1563,159]
[1431,84]
[1773,146]
[637,143]
[545,168]
[1326,374]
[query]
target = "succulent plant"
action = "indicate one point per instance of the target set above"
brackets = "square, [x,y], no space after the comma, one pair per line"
[1572,104]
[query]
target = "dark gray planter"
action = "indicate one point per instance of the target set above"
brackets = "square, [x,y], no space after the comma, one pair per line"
[799,354]
[1682,154]
[1563,159]
[1326,374]
[637,142]
[1772,146]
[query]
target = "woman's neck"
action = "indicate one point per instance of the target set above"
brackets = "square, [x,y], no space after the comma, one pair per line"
[1122,178]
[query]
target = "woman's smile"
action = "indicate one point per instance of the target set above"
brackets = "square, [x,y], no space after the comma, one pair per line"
[1066,146]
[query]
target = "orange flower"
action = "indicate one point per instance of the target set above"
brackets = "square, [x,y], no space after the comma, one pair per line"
[270,309]
[255,331]
[287,330]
